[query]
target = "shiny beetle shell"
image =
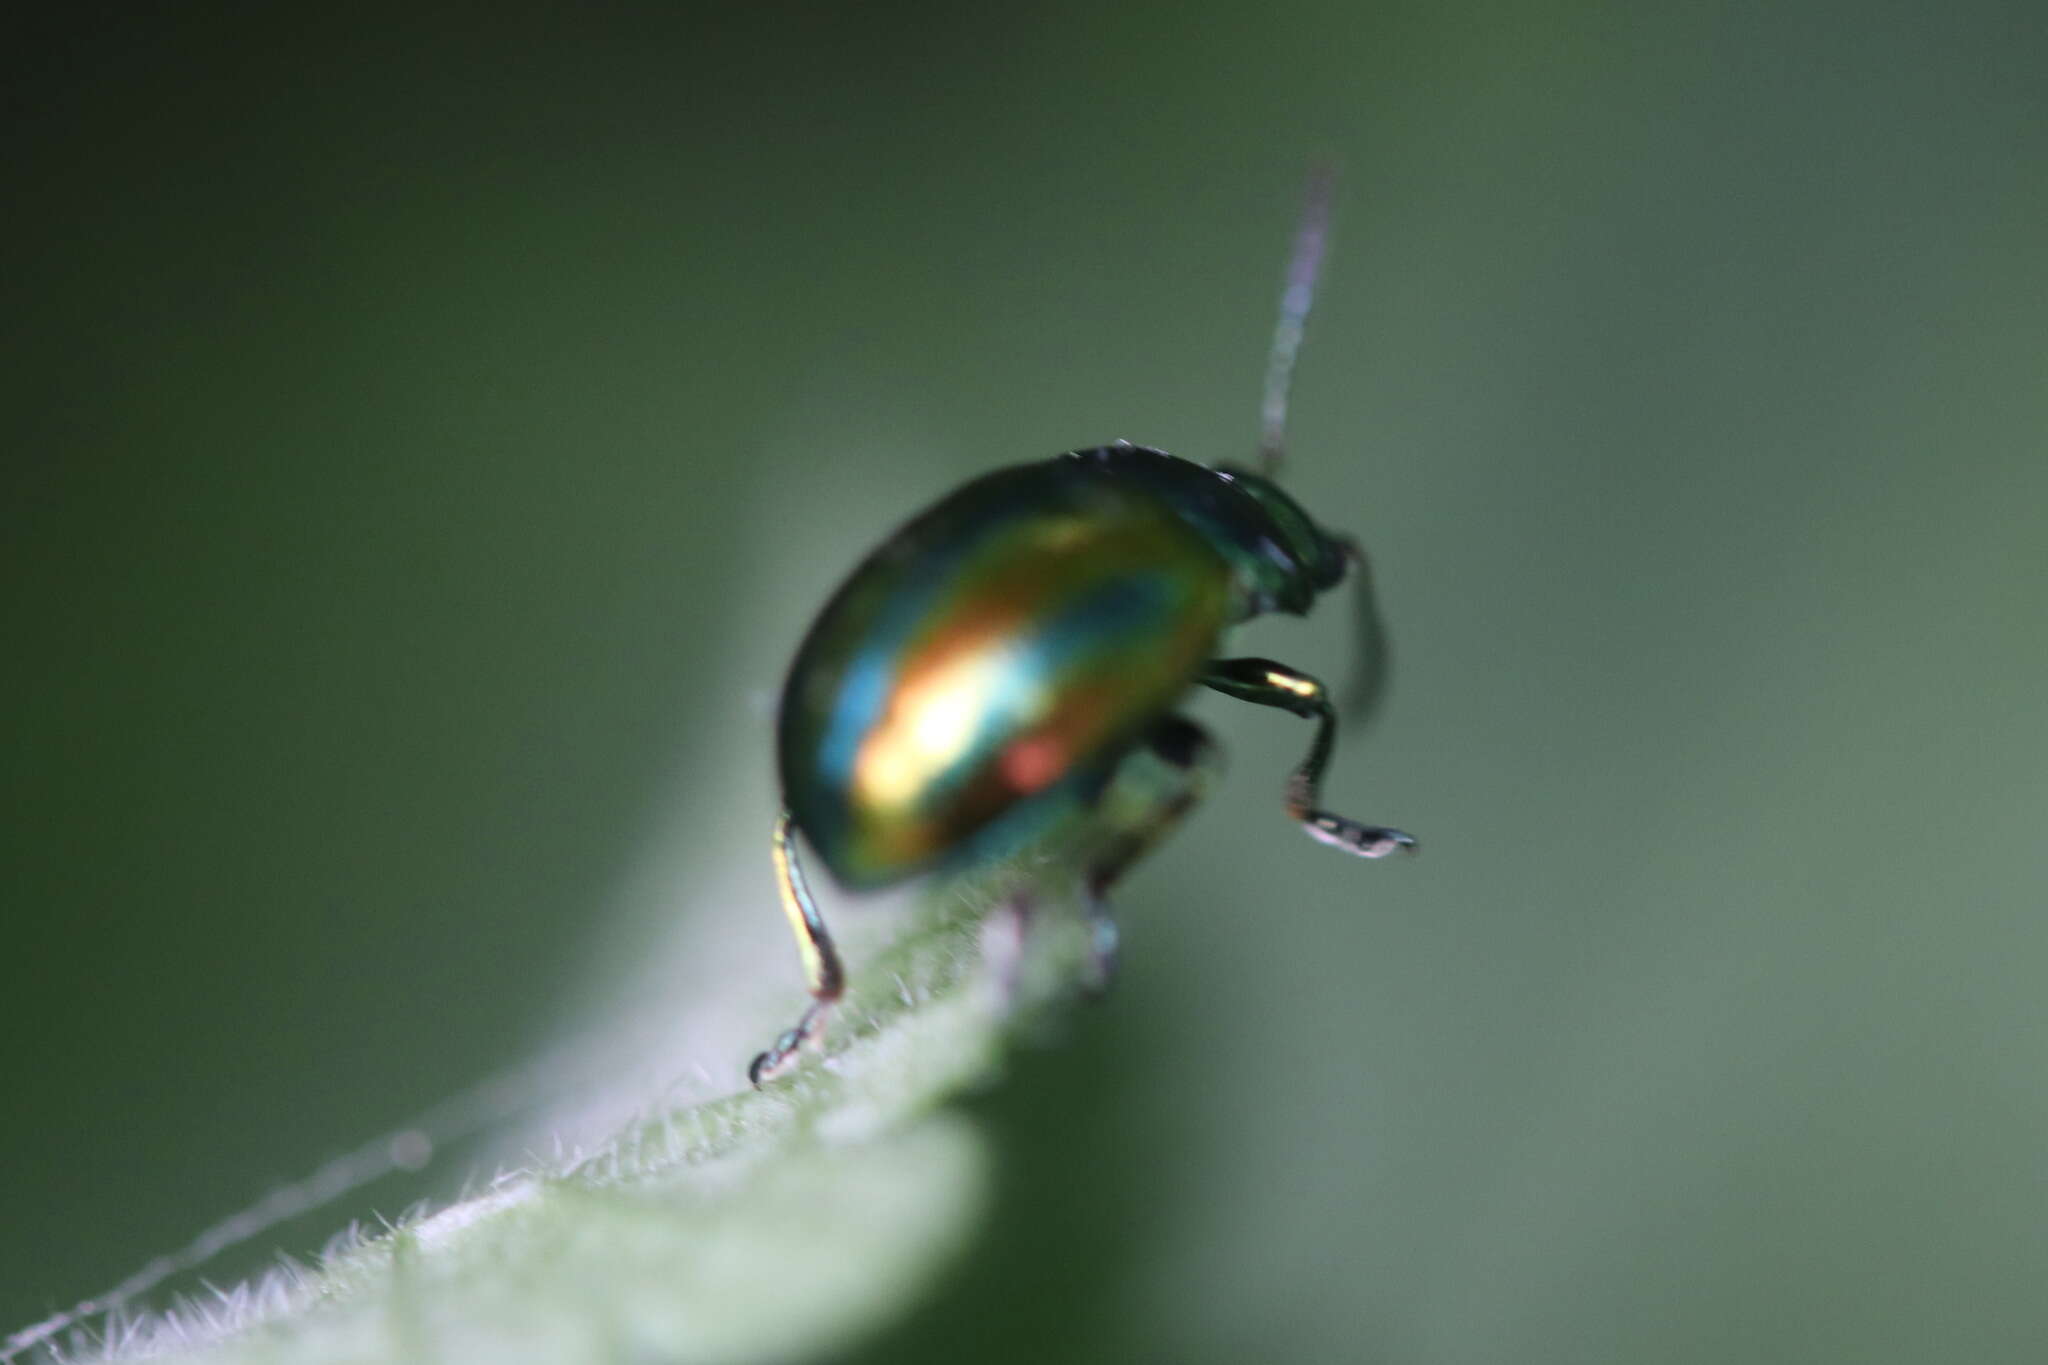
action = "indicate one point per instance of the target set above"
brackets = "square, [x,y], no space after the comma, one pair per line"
[1002,649]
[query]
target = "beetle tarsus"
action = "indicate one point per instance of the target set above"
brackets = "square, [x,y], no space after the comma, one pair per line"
[788,1048]
[1367,841]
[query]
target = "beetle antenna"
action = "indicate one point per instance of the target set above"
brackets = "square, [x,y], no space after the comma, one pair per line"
[1372,655]
[1310,237]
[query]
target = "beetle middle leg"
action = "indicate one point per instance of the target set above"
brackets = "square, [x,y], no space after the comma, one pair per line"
[1151,790]
[822,972]
[1266,683]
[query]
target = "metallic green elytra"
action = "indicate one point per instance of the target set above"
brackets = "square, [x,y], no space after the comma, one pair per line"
[1007,642]
[1016,651]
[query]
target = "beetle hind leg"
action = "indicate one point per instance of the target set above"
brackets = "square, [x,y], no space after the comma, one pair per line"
[822,970]
[1150,793]
[1266,683]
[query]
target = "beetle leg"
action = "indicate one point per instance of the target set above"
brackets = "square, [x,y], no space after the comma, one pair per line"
[1265,683]
[1003,938]
[1151,791]
[822,972]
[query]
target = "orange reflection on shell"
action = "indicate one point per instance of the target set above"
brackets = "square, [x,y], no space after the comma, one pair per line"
[1033,762]
[933,720]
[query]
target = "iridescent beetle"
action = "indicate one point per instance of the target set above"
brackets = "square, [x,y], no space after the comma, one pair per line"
[1022,642]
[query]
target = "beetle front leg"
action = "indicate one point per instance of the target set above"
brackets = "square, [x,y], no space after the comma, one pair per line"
[822,972]
[1151,791]
[1266,683]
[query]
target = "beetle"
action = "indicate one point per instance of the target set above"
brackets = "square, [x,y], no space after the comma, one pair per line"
[1017,650]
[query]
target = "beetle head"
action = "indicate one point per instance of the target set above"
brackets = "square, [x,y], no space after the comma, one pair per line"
[1319,556]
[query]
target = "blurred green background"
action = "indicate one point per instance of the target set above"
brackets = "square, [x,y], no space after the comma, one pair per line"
[427,435]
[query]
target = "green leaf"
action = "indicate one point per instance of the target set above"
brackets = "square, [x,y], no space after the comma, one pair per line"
[770,1225]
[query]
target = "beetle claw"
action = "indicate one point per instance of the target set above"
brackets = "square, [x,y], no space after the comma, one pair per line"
[768,1065]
